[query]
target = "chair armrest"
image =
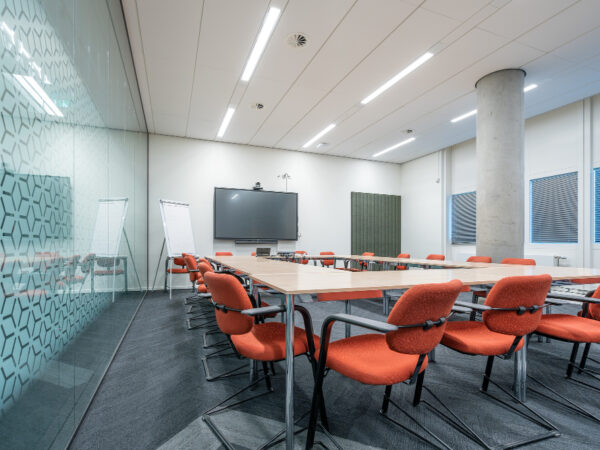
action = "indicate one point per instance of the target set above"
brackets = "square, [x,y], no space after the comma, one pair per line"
[264,310]
[371,324]
[573,298]
[461,309]
[193,270]
[476,306]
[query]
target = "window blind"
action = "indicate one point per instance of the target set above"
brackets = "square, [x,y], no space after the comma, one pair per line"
[553,205]
[463,218]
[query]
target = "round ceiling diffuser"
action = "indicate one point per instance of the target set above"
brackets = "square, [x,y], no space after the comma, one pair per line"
[297,40]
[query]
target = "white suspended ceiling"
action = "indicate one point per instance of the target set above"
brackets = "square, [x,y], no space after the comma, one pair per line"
[190,54]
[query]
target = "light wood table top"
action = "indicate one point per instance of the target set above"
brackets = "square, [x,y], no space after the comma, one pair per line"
[251,265]
[293,278]
[388,259]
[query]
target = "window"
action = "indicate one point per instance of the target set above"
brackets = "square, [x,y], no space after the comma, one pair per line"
[463,218]
[554,209]
[596,213]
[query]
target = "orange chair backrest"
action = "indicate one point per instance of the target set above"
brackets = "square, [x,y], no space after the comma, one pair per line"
[519,261]
[368,254]
[191,264]
[223,254]
[512,292]
[179,261]
[226,290]
[418,305]
[436,257]
[253,254]
[204,267]
[353,295]
[594,309]
[302,252]
[403,255]
[480,259]
[327,262]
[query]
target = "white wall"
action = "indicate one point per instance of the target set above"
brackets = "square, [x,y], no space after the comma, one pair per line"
[423,207]
[188,170]
[563,140]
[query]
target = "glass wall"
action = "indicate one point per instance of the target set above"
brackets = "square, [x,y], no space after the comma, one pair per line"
[73,210]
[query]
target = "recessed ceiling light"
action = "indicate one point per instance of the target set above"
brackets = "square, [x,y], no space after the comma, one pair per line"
[394,147]
[389,83]
[464,116]
[261,42]
[530,87]
[226,120]
[320,134]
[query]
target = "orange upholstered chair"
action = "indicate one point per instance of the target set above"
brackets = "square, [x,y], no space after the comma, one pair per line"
[477,259]
[405,256]
[264,342]
[327,262]
[515,261]
[223,254]
[302,252]
[414,327]
[201,294]
[436,257]
[512,310]
[519,261]
[581,329]
[253,254]
[364,265]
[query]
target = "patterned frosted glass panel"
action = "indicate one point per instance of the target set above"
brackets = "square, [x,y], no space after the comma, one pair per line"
[71,134]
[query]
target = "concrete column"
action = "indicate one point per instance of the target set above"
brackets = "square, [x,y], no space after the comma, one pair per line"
[500,175]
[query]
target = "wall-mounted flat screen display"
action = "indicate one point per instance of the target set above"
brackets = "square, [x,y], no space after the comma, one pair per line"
[249,214]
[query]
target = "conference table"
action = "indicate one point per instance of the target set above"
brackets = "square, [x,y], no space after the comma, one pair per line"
[291,279]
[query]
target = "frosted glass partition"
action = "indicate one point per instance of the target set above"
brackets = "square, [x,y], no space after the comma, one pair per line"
[72,133]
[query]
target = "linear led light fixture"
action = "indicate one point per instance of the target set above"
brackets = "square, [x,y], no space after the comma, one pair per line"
[394,147]
[464,116]
[527,88]
[38,94]
[392,81]
[261,42]
[226,120]
[320,134]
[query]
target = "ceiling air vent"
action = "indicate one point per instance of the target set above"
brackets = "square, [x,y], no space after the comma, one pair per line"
[297,40]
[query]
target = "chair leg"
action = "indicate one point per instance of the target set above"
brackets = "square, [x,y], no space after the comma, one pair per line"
[267,376]
[386,399]
[488,373]
[572,359]
[315,407]
[418,388]
[584,357]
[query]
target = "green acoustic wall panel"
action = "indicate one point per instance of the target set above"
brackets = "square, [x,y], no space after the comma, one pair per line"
[375,223]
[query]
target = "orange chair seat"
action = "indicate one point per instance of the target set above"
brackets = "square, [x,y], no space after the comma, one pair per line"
[570,328]
[476,339]
[177,270]
[401,267]
[266,342]
[368,359]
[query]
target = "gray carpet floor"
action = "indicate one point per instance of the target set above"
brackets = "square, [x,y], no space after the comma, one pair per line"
[155,392]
